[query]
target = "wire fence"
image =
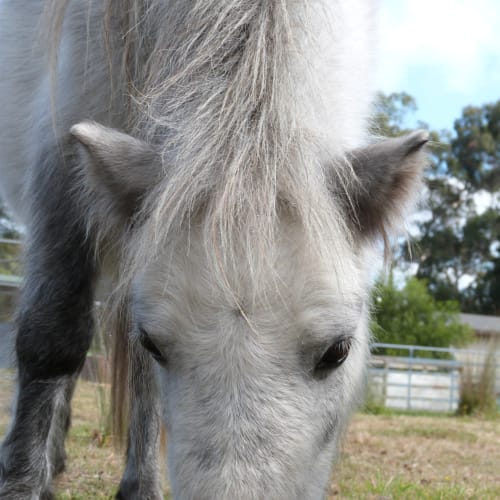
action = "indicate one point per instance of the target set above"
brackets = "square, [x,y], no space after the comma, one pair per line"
[427,378]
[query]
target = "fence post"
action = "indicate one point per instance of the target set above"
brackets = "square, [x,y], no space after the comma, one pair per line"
[410,372]
[452,388]
[385,381]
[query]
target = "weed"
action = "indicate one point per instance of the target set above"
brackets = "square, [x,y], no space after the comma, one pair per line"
[477,384]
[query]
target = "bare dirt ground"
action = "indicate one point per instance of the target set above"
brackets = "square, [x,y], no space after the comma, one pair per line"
[383,457]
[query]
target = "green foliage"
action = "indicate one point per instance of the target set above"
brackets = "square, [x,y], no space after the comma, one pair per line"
[475,147]
[487,291]
[456,245]
[392,112]
[413,316]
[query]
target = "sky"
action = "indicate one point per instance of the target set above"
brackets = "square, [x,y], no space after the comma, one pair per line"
[445,53]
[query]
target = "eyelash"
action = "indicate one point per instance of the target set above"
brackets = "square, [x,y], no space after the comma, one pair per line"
[333,357]
[151,347]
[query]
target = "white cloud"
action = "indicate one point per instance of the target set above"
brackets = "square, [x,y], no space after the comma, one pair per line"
[460,39]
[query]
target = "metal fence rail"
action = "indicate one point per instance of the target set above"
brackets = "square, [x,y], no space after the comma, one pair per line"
[423,382]
[9,241]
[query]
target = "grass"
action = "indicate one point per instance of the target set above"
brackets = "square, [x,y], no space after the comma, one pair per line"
[419,457]
[384,456]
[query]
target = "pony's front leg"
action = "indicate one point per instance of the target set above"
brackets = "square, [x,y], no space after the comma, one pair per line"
[61,422]
[33,451]
[54,330]
[141,479]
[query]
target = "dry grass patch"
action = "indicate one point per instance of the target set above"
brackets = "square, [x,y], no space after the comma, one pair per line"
[419,457]
[94,467]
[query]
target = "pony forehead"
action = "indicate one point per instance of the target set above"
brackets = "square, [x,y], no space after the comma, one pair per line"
[295,275]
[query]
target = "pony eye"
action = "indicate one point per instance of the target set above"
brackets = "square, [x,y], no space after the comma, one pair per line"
[150,346]
[333,357]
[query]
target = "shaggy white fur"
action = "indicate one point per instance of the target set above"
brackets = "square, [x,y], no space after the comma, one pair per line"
[218,153]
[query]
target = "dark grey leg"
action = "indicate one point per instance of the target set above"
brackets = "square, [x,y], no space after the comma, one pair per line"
[61,422]
[141,479]
[54,332]
[24,468]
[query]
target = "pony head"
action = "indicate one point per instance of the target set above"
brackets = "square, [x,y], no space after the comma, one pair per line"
[259,346]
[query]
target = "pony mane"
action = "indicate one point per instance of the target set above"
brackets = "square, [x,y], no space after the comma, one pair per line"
[216,96]
[210,85]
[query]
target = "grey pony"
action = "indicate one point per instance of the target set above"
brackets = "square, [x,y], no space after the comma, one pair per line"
[210,160]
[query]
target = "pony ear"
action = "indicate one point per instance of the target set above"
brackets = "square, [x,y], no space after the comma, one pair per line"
[123,167]
[389,175]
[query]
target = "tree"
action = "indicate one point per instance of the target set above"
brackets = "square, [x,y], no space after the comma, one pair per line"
[456,248]
[476,147]
[412,316]
[460,240]
[486,296]
[392,113]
